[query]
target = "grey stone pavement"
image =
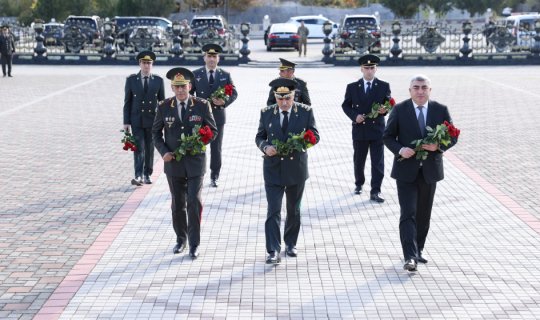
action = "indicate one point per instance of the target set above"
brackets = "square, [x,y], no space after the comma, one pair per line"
[78,242]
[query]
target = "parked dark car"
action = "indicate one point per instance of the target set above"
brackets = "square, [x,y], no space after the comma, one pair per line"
[348,35]
[210,29]
[126,26]
[282,35]
[53,32]
[90,27]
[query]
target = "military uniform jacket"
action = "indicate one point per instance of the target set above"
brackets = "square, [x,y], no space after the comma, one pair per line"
[291,169]
[140,108]
[301,94]
[358,102]
[7,44]
[202,89]
[168,127]
[402,128]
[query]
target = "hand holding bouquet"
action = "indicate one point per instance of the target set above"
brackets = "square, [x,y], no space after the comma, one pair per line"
[300,142]
[195,143]
[387,105]
[129,141]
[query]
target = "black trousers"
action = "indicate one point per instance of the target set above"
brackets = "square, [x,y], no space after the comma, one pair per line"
[144,156]
[186,206]
[6,60]
[415,201]
[274,197]
[376,149]
[215,153]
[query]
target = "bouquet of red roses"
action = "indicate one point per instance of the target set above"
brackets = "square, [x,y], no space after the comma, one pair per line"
[195,143]
[129,141]
[387,105]
[299,142]
[442,134]
[223,92]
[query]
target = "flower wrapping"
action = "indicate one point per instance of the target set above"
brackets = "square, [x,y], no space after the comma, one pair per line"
[387,105]
[223,92]
[195,143]
[299,142]
[442,134]
[129,141]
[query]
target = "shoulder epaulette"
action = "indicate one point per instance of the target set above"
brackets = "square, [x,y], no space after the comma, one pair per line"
[132,75]
[304,106]
[270,107]
[199,99]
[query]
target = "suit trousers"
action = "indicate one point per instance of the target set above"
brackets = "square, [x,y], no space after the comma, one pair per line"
[215,153]
[186,223]
[144,156]
[274,197]
[376,149]
[6,60]
[415,201]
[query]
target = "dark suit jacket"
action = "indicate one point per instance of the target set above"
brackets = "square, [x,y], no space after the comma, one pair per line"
[168,127]
[357,102]
[293,169]
[7,44]
[140,108]
[301,94]
[202,89]
[402,128]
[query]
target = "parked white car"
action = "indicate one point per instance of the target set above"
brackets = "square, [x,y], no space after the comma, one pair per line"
[314,25]
[522,27]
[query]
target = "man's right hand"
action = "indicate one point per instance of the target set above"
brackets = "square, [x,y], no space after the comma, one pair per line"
[406,152]
[360,118]
[168,157]
[127,127]
[270,151]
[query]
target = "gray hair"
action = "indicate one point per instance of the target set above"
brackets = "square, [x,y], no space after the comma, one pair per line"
[422,78]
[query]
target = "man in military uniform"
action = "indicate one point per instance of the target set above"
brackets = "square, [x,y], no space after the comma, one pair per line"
[185,33]
[142,93]
[175,117]
[303,32]
[283,174]
[207,80]
[286,71]
[7,49]
[367,132]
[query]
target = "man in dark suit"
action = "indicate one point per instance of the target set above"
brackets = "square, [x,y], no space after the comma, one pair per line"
[175,117]
[416,179]
[283,174]
[207,80]
[142,93]
[301,93]
[7,49]
[367,132]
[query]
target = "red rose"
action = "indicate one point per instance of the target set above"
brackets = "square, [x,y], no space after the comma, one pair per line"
[134,148]
[310,137]
[229,89]
[452,130]
[392,102]
[125,147]
[206,134]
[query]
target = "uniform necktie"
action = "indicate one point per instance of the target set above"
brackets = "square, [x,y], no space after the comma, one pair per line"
[145,85]
[368,87]
[285,123]
[211,79]
[183,109]
[421,121]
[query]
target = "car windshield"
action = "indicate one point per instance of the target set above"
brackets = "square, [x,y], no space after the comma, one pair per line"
[52,28]
[283,27]
[353,23]
[216,23]
[89,22]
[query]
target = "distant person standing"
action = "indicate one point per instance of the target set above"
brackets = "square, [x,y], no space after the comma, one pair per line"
[7,49]
[143,91]
[303,32]
[301,93]
[208,79]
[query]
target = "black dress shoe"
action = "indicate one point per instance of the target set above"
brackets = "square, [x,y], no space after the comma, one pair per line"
[273,258]
[194,252]
[214,183]
[410,265]
[358,190]
[179,247]
[137,181]
[421,259]
[377,197]
[147,180]
[291,251]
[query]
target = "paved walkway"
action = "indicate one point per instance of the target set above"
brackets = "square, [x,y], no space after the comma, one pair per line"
[77,242]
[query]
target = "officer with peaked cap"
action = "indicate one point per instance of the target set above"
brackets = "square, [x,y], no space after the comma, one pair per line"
[142,92]
[367,132]
[283,173]
[177,116]
[286,71]
[207,80]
